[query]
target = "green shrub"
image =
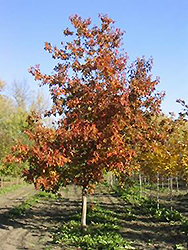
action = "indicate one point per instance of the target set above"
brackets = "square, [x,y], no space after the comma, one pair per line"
[102,232]
[184,226]
[97,236]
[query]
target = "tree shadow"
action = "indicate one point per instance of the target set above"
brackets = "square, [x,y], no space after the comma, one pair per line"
[41,219]
[133,222]
[139,226]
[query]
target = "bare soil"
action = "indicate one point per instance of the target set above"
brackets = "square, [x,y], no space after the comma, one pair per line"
[34,231]
[143,231]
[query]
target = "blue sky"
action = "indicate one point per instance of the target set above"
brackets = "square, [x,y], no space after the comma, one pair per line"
[157,28]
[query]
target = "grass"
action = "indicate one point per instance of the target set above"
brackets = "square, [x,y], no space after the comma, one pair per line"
[11,188]
[132,196]
[102,232]
[149,207]
[104,224]
[23,208]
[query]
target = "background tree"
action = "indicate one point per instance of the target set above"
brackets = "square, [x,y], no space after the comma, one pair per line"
[2,84]
[12,120]
[166,157]
[40,102]
[14,109]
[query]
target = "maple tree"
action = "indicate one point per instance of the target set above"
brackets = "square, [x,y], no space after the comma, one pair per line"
[105,110]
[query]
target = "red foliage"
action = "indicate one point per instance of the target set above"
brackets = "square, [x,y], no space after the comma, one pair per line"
[106,109]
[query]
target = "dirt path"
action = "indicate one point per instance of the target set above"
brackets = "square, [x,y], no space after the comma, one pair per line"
[34,231]
[145,233]
[16,196]
[11,231]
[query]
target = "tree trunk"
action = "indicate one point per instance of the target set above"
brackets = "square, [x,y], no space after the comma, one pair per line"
[2,182]
[162,182]
[169,183]
[140,182]
[84,208]
[157,190]
[149,188]
[171,190]
[177,184]
[111,179]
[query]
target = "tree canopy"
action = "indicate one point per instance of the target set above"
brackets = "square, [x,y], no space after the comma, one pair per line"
[106,109]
